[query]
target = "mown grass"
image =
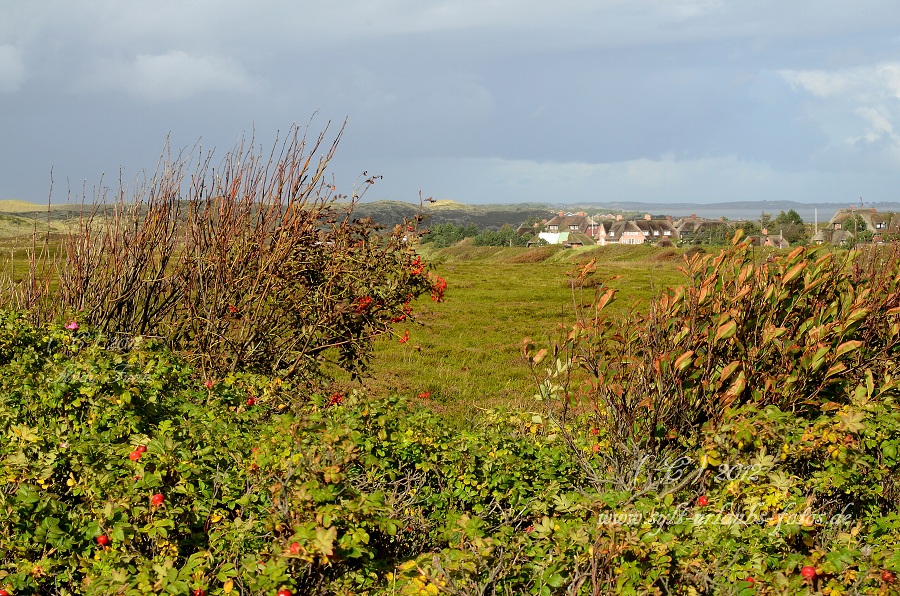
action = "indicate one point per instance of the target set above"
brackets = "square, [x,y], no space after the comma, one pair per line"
[466,351]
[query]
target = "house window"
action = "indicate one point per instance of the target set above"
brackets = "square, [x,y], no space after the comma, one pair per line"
[612,233]
[573,228]
[667,233]
[656,232]
[837,226]
[879,225]
[646,233]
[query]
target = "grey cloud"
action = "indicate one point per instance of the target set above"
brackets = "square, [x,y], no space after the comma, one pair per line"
[172,76]
[12,69]
[464,97]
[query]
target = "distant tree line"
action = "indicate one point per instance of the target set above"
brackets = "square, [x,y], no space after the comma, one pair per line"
[444,235]
[505,236]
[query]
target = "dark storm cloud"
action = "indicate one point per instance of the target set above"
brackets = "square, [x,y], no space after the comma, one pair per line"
[471,100]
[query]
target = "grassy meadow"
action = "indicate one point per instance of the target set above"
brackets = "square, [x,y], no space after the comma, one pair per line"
[467,351]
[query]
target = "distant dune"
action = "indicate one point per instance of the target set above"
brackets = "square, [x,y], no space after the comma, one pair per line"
[13,206]
[447,204]
[23,218]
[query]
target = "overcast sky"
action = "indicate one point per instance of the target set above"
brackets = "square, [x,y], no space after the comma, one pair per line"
[472,100]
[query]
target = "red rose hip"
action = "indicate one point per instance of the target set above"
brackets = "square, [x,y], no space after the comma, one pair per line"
[103,540]
[808,572]
[157,499]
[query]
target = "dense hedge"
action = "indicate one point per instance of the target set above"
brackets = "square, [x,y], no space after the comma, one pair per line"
[266,488]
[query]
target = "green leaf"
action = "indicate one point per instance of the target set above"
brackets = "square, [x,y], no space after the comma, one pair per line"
[847,347]
[726,330]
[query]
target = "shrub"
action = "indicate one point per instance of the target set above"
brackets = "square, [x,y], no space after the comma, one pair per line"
[336,494]
[444,235]
[257,495]
[505,236]
[794,331]
[538,254]
[665,255]
[247,266]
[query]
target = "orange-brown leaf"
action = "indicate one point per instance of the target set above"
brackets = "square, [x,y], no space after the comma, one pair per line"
[684,360]
[793,273]
[847,346]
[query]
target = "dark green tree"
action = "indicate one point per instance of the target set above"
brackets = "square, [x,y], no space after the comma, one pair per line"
[791,226]
[856,225]
[787,219]
[444,235]
[750,228]
[505,236]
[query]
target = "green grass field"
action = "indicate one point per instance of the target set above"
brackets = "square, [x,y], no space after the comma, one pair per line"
[466,351]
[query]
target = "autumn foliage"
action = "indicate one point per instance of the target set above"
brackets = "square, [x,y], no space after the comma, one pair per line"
[795,331]
[252,264]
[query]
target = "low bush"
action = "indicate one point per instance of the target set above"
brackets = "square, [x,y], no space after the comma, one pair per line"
[262,488]
[666,254]
[259,488]
[538,254]
[768,382]
[794,331]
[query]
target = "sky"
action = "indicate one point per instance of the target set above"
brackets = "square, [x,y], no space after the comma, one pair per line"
[478,101]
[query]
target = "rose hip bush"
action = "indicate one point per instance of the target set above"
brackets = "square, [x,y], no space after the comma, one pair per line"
[320,495]
[785,364]
[195,490]
[795,331]
[255,264]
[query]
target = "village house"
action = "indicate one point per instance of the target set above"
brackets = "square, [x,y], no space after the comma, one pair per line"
[578,222]
[834,236]
[626,231]
[771,240]
[842,228]
[637,231]
[604,233]
[657,229]
[565,229]
[689,227]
